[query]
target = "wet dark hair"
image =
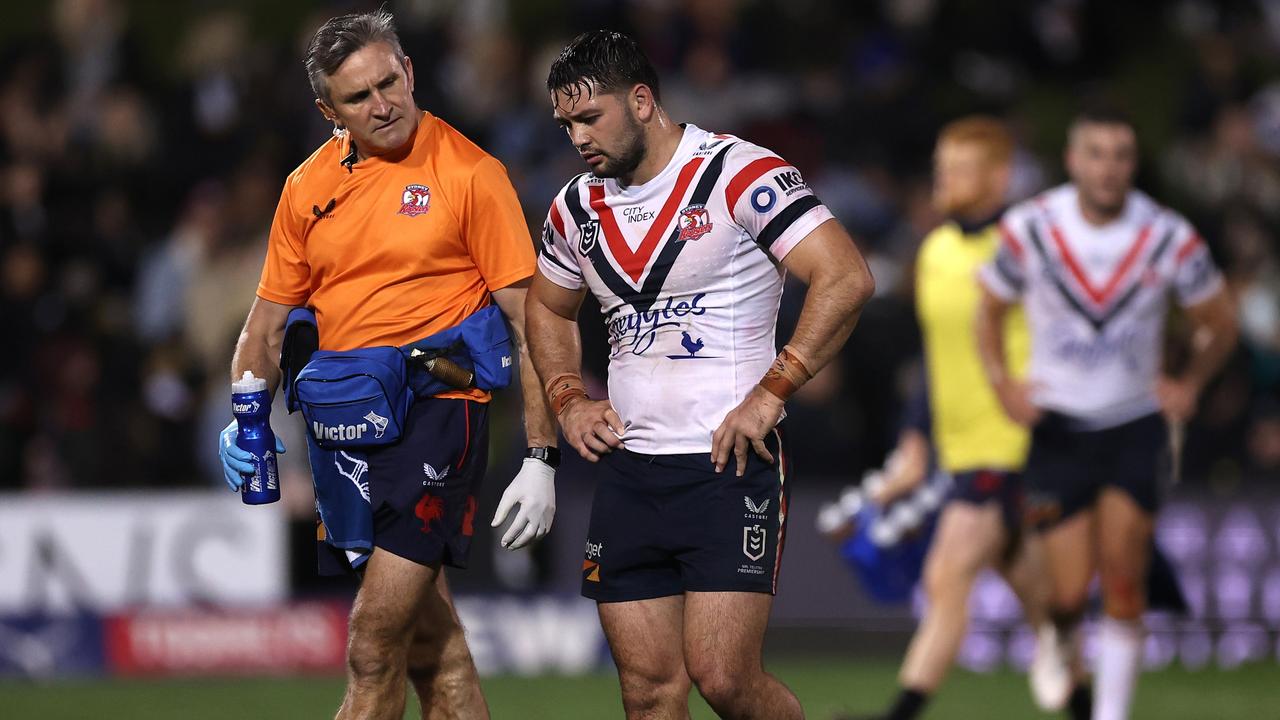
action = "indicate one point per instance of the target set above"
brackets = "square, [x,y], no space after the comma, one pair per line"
[340,37]
[605,60]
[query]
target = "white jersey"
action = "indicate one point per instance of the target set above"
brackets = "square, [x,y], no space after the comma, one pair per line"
[686,269]
[1096,299]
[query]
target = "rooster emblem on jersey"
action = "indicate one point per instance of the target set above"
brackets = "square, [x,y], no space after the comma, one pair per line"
[691,346]
[695,222]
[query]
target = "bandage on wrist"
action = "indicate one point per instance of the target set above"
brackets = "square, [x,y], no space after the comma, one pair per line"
[564,389]
[787,374]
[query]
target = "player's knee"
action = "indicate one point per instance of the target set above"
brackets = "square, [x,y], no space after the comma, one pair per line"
[654,688]
[721,685]
[370,663]
[1122,594]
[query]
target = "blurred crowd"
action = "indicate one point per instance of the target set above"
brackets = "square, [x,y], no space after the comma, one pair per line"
[143,147]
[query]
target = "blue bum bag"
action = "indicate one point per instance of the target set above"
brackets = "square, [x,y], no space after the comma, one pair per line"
[360,398]
[354,398]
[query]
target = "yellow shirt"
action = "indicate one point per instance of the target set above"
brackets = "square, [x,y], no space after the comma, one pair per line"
[970,429]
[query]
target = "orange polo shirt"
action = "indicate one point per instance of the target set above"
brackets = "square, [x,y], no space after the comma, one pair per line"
[397,247]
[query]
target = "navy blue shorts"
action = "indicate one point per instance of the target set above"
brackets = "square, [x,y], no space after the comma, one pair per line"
[423,488]
[669,524]
[1068,467]
[979,487]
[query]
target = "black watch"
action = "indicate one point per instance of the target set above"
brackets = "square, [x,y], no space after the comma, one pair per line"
[547,454]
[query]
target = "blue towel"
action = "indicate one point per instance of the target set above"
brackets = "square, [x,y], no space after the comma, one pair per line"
[340,477]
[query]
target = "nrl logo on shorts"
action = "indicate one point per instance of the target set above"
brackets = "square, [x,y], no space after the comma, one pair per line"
[588,232]
[695,222]
[415,200]
[753,542]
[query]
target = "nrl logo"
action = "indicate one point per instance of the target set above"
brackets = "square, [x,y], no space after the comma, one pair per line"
[588,232]
[753,542]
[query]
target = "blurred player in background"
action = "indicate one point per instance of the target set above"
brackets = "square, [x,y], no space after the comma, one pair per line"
[1093,263]
[684,236]
[976,443]
[398,228]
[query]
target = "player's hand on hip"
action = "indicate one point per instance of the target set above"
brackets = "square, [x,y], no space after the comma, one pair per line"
[1015,397]
[534,490]
[1177,398]
[746,426]
[237,462]
[592,427]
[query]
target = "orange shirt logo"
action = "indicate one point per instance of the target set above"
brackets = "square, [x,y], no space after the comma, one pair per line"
[416,200]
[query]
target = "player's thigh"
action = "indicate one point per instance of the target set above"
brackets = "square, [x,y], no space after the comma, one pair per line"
[1070,554]
[391,595]
[646,639]
[724,634]
[969,537]
[1124,535]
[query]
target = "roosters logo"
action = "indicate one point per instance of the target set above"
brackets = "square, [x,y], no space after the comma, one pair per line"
[695,222]
[430,508]
[415,200]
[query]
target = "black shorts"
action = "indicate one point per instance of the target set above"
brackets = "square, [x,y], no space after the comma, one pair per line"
[979,487]
[668,524]
[1068,466]
[423,489]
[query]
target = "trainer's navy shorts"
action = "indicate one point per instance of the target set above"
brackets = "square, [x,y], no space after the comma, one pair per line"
[1068,466]
[423,489]
[668,524]
[979,487]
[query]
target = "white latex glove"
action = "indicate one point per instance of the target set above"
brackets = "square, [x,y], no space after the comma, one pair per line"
[534,489]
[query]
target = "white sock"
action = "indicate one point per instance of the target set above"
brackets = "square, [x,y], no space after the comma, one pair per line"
[1119,660]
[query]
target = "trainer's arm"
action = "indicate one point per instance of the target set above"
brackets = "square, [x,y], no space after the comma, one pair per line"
[539,426]
[1213,336]
[840,283]
[258,348]
[1014,395]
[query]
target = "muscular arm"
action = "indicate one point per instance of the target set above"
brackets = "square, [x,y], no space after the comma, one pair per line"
[551,322]
[1213,337]
[258,348]
[539,426]
[1014,395]
[551,313]
[1214,333]
[988,328]
[840,283]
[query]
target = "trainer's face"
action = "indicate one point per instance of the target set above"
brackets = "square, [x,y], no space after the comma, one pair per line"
[371,95]
[604,127]
[965,178]
[1101,160]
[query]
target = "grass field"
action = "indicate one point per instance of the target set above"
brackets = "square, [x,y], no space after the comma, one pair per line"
[1250,693]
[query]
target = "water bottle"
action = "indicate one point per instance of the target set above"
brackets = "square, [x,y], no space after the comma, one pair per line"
[251,404]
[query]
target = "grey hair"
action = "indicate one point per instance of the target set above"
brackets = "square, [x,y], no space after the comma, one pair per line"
[342,36]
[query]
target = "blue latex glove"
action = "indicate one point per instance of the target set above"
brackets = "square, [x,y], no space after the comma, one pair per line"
[237,463]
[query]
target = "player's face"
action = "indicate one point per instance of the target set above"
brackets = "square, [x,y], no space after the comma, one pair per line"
[603,129]
[1101,160]
[371,95]
[965,179]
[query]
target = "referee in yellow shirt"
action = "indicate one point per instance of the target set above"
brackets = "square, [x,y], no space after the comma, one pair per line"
[977,444]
